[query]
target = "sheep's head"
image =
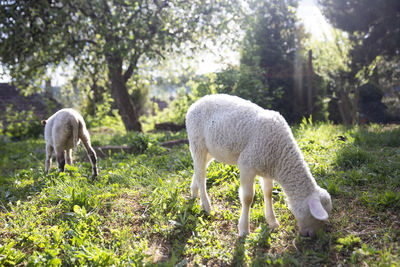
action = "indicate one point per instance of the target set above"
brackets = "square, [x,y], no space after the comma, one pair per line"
[314,211]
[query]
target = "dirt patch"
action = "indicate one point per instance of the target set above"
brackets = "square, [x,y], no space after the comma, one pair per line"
[159,250]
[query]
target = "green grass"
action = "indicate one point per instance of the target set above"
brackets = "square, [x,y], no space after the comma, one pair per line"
[138,212]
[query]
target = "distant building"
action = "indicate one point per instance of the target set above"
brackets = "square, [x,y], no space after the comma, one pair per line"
[42,105]
[161,104]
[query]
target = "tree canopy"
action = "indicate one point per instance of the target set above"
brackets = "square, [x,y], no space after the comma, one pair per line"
[40,34]
[374,25]
[373,31]
[273,71]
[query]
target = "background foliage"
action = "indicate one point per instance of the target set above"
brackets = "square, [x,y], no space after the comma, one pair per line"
[103,40]
[119,59]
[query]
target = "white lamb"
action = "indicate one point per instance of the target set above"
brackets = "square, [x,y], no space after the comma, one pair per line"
[62,132]
[235,131]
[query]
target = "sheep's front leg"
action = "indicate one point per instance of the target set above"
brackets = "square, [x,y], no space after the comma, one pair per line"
[49,155]
[246,194]
[267,186]
[200,160]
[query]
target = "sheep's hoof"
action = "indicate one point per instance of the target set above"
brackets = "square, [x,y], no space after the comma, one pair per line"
[206,208]
[243,234]
[194,193]
[307,232]
[273,225]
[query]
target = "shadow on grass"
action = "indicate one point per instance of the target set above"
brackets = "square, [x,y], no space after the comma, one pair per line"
[68,187]
[384,136]
[372,159]
[184,225]
[302,251]
[240,252]
[365,188]
[20,187]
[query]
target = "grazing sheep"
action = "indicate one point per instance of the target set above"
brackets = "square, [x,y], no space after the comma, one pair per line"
[62,133]
[235,131]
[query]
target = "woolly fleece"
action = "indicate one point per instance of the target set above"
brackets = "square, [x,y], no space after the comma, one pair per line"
[63,131]
[235,131]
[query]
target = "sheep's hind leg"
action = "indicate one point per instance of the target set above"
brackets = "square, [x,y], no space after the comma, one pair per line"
[93,160]
[246,194]
[69,157]
[60,157]
[91,153]
[200,160]
[49,155]
[267,186]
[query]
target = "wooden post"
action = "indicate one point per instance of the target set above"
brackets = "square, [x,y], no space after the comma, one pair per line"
[310,73]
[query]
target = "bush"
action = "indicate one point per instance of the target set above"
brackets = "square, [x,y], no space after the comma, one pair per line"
[353,157]
[248,82]
[103,119]
[371,105]
[140,142]
[21,124]
[175,112]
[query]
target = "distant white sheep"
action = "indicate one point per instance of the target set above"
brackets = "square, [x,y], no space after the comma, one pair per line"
[62,132]
[235,131]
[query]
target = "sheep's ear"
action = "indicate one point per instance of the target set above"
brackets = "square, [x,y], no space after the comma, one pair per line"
[317,210]
[44,122]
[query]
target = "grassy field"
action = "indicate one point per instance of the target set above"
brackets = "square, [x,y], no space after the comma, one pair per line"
[138,212]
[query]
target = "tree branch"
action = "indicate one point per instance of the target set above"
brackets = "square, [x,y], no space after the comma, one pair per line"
[82,10]
[128,73]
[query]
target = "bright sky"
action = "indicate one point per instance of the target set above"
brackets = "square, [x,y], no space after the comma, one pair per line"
[210,62]
[314,21]
[308,12]
[3,78]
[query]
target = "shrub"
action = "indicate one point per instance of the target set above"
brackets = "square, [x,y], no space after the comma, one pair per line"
[353,157]
[378,137]
[21,124]
[175,112]
[139,142]
[348,242]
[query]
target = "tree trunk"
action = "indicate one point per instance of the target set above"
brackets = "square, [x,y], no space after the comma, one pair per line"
[298,85]
[94,99]
[345,112]
[355,113]
[121,96]
[348,106]
[345,108]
